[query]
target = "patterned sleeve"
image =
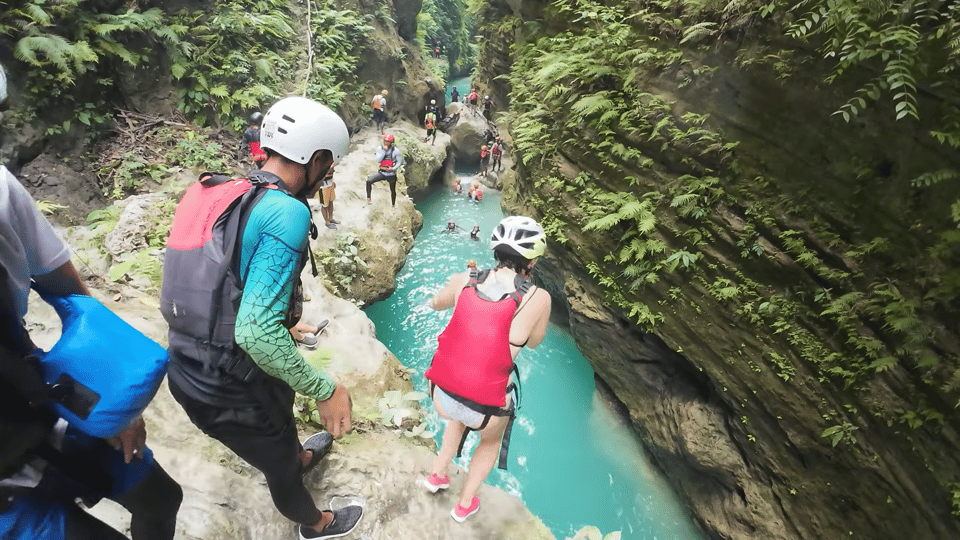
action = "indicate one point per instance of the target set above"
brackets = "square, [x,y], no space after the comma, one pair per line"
[279,233]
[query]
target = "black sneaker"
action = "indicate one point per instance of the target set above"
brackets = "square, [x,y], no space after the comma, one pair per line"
[344,521]
[319,444]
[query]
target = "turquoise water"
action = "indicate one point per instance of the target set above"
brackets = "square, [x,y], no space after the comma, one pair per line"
[462,84]
[571,462]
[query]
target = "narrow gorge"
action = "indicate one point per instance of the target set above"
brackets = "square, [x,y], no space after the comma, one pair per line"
[753,209]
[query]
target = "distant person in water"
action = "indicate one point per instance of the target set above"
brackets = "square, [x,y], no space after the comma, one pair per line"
[476,194]
[471,265]
[496,313]
[457,186]
[475,232]
[451,226]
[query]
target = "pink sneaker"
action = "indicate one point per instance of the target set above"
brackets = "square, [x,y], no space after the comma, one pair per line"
[435,483]
[460,514]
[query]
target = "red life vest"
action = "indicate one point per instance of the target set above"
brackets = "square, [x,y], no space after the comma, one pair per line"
[473,357]
[483,154]
[478,195]
[257,153]
[375,103]
[495,150]
[429,122]
[201,282]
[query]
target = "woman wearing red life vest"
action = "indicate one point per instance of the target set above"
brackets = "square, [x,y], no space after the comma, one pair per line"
[496,313]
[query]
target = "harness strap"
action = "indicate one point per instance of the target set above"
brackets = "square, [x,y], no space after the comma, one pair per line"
[489,411]
[211,179]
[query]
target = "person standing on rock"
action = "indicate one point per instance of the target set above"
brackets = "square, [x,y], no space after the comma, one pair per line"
[454,95]
[326,195]
[389,160]
[379,104]
[430,122]
[487,107]
[496,313]
[251,140]
[484,160]
[496,154]
[235,368]
[38,495]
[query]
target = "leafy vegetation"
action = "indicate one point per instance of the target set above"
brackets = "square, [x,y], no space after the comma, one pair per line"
[659,197]
[63,42]
[228,58]
[447,21]
[342,264]
[146,261]
[402,412]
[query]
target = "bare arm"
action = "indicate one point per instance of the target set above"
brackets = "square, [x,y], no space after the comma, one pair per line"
[447,297]
[62,280]
[539,306]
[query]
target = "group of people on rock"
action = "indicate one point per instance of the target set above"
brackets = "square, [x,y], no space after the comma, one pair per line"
[234,366]
[388,157]
[473,99]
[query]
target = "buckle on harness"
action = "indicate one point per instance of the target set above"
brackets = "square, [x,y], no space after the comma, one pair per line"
[241,366]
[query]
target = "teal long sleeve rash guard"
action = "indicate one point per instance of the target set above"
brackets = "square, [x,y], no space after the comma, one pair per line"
[273,239]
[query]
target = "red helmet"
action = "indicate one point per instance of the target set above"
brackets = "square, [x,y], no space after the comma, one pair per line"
[388,137]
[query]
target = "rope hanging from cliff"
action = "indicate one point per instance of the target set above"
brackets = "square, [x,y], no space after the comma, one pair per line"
[306,79]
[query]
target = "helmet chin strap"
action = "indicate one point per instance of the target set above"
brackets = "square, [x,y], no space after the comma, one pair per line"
[307,186]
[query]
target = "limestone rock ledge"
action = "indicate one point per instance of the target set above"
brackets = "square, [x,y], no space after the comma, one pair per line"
[384,233]
[224,498]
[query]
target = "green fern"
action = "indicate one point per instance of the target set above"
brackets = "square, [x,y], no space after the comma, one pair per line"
[699,31]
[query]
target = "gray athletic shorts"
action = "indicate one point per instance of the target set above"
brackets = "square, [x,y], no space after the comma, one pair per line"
[458,411]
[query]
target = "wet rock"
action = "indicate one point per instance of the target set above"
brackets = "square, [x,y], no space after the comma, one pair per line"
[50,178]
[407,11]
[468,134]
[383,234]
[424,160]
[134,224]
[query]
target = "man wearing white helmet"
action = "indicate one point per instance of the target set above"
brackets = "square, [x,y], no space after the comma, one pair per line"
[244,397]
[496,313]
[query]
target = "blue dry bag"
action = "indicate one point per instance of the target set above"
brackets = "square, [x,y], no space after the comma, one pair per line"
[109,370]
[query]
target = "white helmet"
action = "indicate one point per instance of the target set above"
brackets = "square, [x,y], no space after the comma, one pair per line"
[522,235]
[296,127]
